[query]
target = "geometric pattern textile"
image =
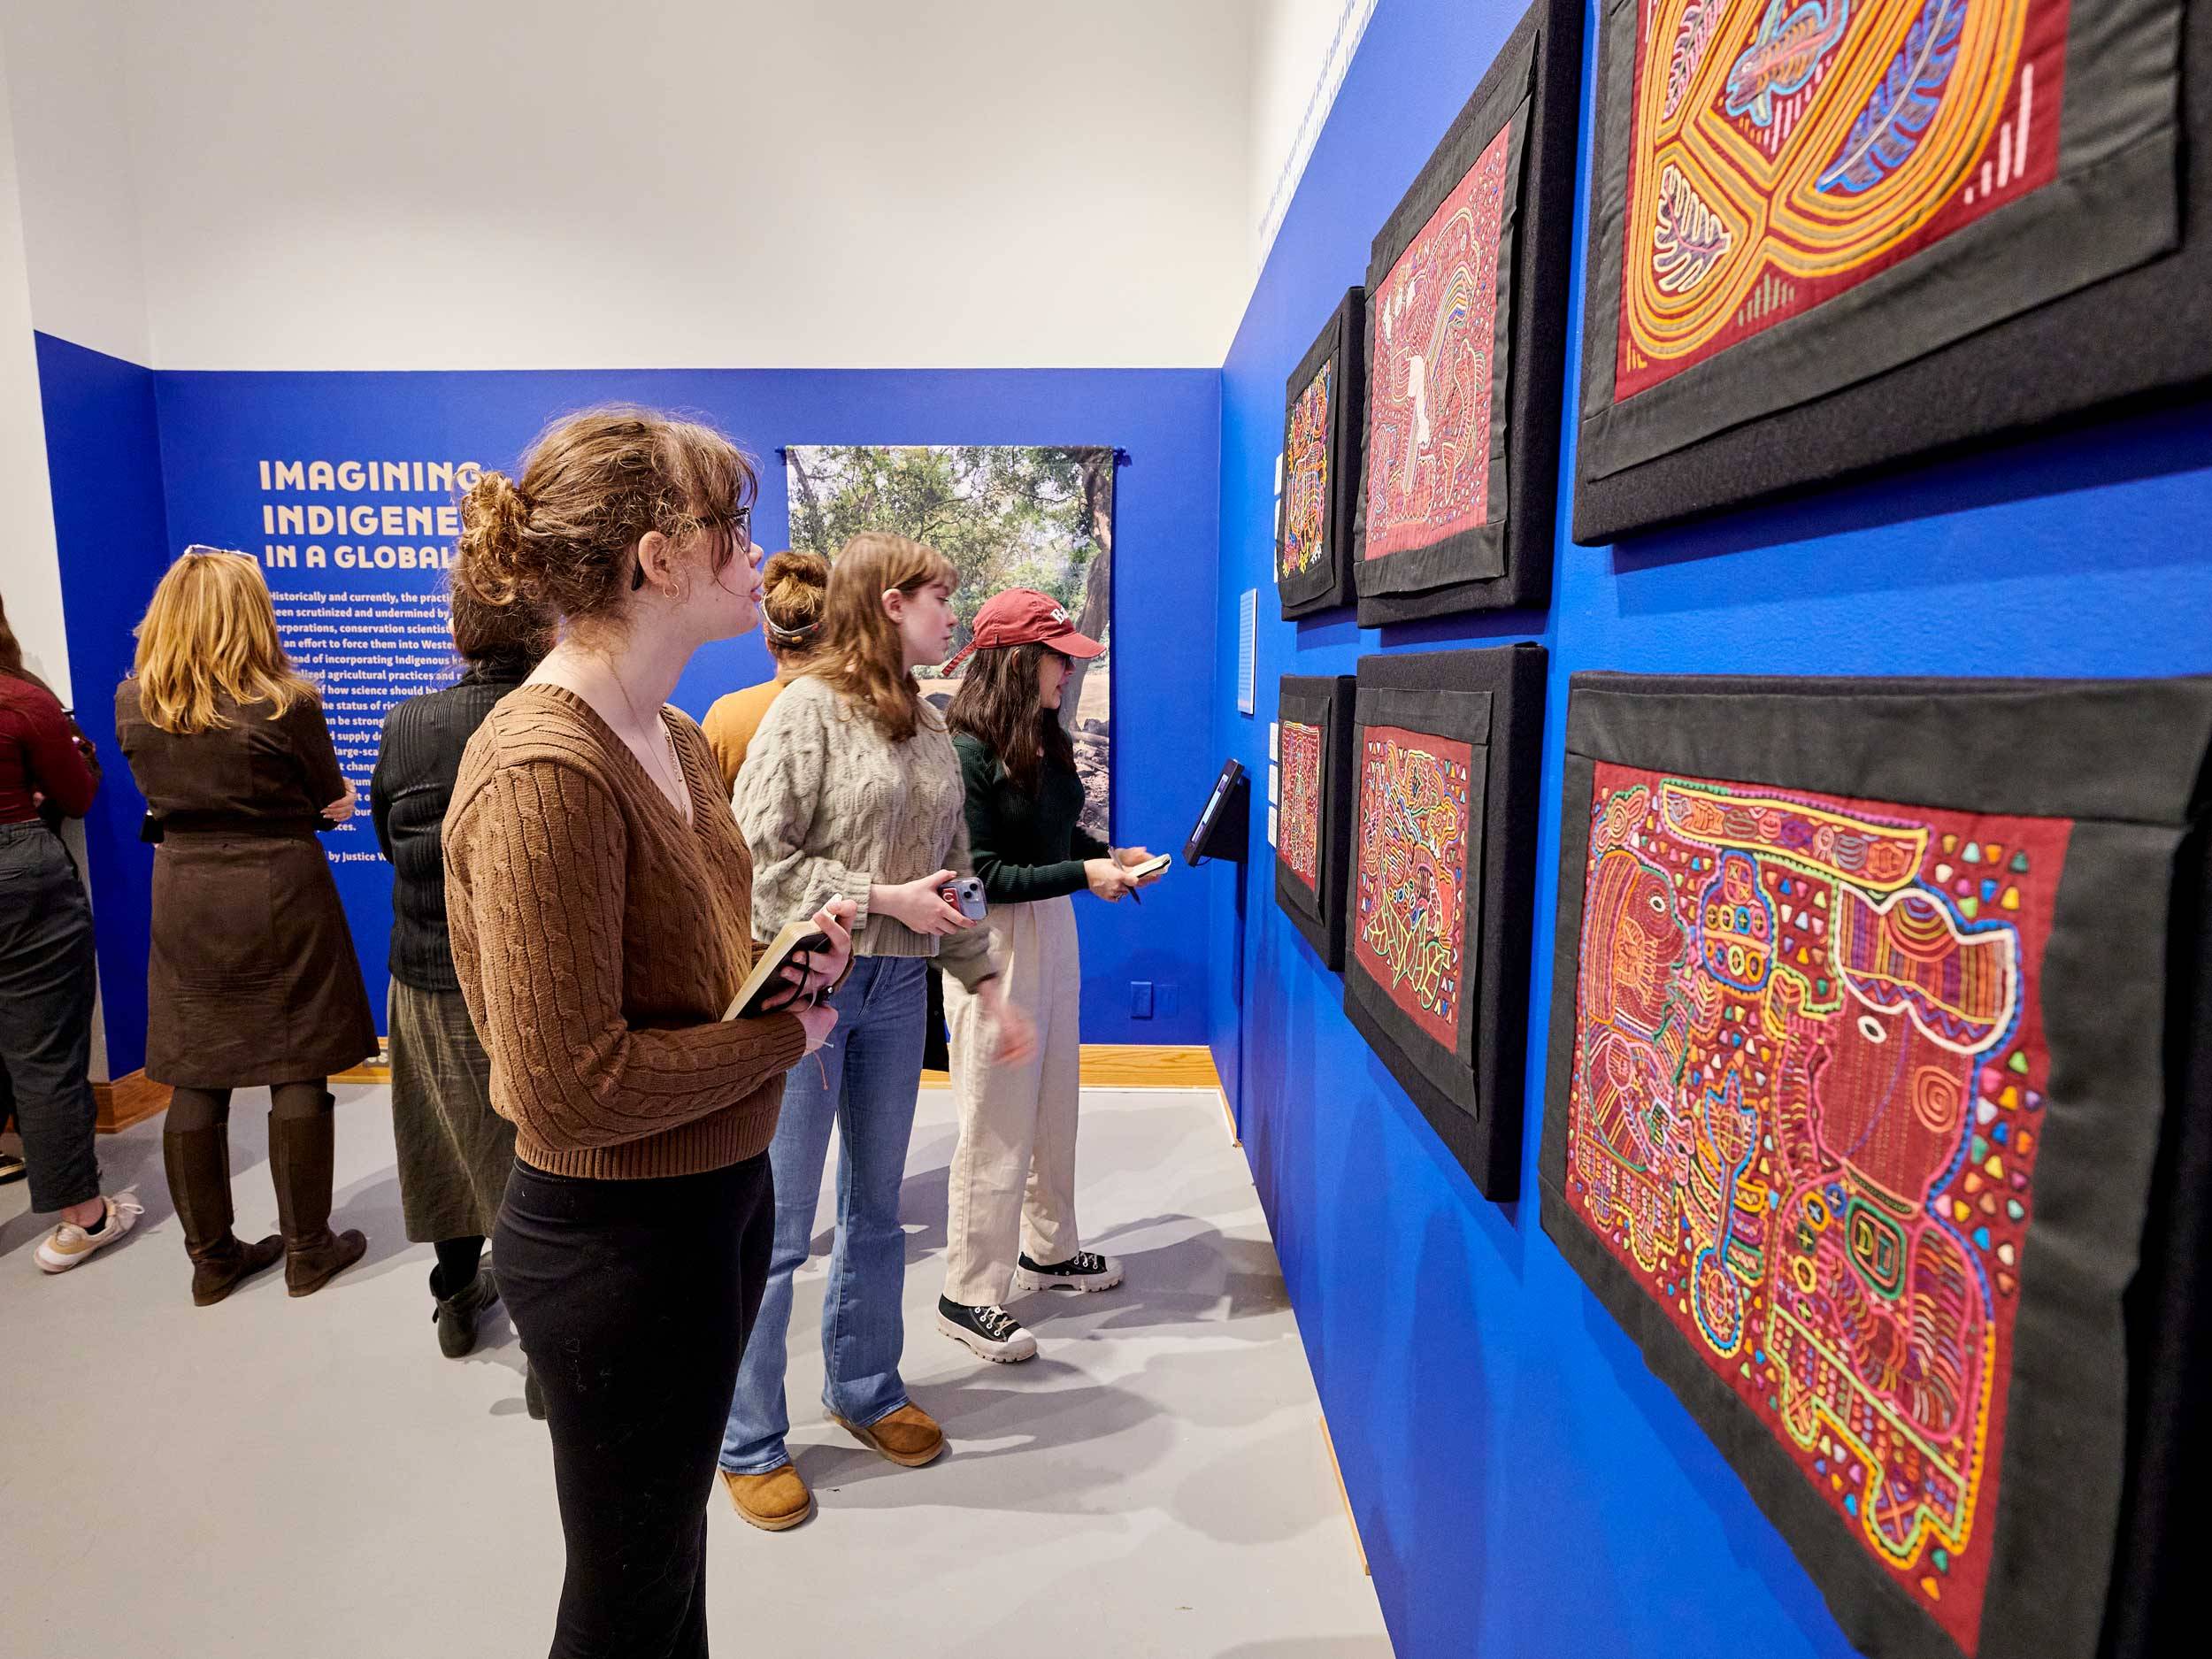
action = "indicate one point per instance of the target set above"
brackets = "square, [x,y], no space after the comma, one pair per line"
[1313,840]
[1302,801]
[1409,918]
[1831,234]
[1783,154]
[1447,748]
[1306,478]
[1323,402]
[1466,346]
[1808,1073]
[1436,320]
[1861,1123]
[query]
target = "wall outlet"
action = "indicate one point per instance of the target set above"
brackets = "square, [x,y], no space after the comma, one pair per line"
[1140,999]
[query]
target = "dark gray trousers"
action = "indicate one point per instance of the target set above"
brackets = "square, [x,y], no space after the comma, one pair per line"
[46,981]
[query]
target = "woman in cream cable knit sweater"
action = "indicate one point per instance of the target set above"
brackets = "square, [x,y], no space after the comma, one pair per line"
[597,895]
[851,791]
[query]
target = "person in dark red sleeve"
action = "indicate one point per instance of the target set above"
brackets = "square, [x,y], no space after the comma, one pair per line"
[46,971]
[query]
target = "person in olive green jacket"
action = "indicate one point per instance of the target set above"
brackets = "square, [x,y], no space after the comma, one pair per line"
[1011,1226]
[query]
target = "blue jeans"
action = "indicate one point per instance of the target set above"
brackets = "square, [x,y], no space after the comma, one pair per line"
[872,1063]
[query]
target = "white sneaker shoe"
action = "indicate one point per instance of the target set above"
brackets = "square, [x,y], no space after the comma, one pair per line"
[1085,1270]
[69,1244]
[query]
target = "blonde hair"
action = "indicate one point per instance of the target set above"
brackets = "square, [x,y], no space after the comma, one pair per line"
[796,590]
[594,484]
[864,657]
[210,632]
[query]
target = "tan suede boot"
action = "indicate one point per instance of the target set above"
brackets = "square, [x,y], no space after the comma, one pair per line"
[197,1162]
[908,1437]
[775,1502]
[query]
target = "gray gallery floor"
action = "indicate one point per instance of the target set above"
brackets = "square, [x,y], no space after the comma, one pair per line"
[272,1478]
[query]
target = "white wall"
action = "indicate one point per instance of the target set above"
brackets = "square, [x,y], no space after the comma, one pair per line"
[73,131]
[1299,51]
[30,566]
[458,183]
[30,561]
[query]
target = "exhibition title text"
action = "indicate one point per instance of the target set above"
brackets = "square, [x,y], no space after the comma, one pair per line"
[356,533]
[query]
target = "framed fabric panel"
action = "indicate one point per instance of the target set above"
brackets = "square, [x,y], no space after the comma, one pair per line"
[1323,403]
[1466,343]
[1826,236]
[1446,749]
[1869,1061]
[1314,839]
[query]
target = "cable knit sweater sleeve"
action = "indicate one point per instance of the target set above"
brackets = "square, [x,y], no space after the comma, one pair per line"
[778,796]
[536,864]
[830,807]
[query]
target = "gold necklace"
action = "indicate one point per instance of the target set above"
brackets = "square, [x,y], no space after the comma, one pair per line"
[681,791]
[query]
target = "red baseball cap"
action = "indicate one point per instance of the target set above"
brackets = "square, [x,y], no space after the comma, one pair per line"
[1022,616]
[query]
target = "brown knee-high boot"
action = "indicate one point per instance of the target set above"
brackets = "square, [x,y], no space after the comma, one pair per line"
[199,1165]
[301,1153]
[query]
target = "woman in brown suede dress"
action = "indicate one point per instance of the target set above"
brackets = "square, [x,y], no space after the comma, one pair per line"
[251,979]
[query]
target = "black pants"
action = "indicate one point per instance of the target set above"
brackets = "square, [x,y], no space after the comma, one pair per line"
[633,1300]
[46,979]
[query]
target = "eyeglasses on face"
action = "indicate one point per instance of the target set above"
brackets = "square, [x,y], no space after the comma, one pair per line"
[738,521]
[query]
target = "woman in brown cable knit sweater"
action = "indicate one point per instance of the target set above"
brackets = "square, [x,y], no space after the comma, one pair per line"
[599,899]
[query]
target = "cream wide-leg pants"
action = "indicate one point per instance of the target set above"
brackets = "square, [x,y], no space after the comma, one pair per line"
[1013,1174]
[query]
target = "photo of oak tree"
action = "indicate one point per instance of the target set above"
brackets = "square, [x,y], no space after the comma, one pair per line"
[1006,517]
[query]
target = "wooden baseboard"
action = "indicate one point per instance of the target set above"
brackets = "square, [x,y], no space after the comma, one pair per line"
[133,1099]
[1134,1065]
[127,1100]
[376,1070]
[1328,1442]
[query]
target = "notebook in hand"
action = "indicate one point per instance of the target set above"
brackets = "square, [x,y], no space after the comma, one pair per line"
[799,938]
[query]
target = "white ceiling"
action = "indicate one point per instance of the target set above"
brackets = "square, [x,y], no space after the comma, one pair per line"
[455,183]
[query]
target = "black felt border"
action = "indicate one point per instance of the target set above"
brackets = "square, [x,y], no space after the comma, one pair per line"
[1341,341]
[2126,761]
[2144,336]
[1549,38]
[1323,701]
[1479,1119]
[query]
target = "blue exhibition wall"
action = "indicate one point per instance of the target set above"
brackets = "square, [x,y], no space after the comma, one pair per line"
[1522,1483]
[104,455]
[216,431]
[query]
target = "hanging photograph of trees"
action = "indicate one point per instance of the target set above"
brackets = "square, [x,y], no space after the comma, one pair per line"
[1006,517]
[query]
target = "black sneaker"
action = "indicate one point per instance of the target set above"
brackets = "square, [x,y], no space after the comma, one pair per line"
[1085,1270]
[993,1333]
[456,1315]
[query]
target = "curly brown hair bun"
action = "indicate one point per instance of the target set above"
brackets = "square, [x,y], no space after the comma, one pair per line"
[797,588]
[564,537]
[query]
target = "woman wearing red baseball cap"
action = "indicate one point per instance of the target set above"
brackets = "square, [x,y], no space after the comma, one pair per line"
[1012,1223]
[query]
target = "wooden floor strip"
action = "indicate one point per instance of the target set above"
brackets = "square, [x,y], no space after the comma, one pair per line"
[133,1099]
[1328,1442]
[1134,1066]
